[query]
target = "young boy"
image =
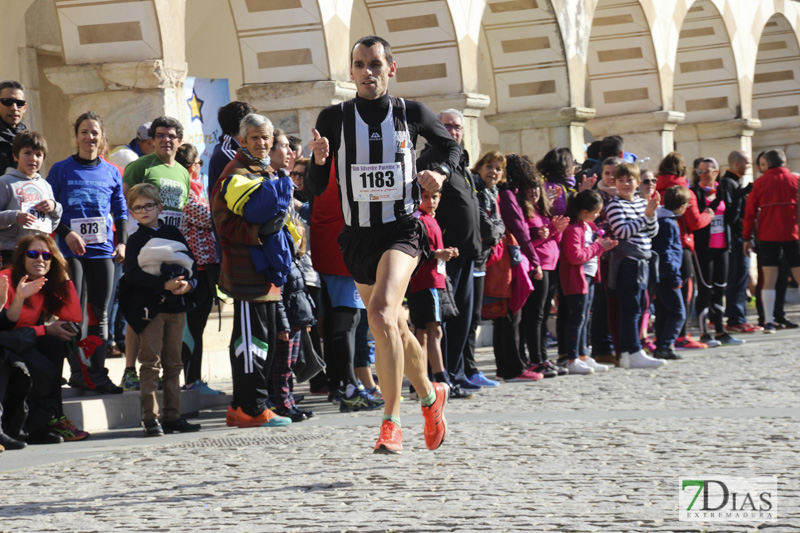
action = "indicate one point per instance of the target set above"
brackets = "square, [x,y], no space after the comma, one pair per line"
[670,311]
[427,285]
[159,271]
[26,199]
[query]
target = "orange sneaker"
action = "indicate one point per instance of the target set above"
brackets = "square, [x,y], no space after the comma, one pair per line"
[266,419]
[230,416]
[435,423]
[390,439]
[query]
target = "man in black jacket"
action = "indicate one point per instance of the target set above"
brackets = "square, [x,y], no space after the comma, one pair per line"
[739,267]
[12,109]
[457,215]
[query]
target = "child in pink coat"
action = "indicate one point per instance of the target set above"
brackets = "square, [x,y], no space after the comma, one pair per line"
[578,267]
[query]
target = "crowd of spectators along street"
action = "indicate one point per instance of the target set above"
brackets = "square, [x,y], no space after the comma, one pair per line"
[122,252]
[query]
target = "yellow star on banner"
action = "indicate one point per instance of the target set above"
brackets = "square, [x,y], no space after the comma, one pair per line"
[195,106]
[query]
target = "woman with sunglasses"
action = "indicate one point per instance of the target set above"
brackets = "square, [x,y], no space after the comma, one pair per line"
[712,246]
[90,189]
[39,289]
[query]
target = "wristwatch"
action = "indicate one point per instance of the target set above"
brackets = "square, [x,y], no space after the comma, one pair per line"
[442,169]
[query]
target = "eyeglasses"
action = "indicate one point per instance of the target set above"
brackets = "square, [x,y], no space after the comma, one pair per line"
[702,171]
[34,254]
[8,102]
[167,136]
[453,127]
[146,207]
[648,182]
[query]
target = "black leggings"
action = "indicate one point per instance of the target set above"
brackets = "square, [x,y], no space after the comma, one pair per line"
[94,282]
[196,319]
[712,280]
[534,316]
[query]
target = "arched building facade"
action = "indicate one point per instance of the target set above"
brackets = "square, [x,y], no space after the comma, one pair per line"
[702,76]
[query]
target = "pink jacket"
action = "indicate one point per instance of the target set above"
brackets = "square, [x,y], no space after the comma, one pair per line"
[574,253]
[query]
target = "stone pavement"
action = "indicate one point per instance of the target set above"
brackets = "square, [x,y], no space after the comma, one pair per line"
[574,453]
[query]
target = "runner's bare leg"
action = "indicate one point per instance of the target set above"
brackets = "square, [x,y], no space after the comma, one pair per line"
[396,348]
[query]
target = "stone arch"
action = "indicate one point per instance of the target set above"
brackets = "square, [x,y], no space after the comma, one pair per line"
[776,83]
[706,82]
[424,43]
[280,40]
[523,69]
[525,56]
[622,65]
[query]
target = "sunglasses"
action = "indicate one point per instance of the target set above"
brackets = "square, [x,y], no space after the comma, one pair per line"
[34,254]
[146,207]
[648,182]
[8,102]
[296,173]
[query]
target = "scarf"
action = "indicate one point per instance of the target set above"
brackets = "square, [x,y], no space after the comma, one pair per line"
[261,163]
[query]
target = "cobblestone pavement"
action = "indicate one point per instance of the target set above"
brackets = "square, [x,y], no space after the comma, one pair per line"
[574,453]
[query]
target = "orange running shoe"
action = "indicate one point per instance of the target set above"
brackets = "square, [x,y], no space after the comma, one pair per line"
[266,419]
[390,440]
[435,423]
[230,416]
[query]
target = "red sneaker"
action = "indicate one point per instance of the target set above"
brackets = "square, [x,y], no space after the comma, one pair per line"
[744,328]
[390,440]
[230,417]
[688,343]
[435,423]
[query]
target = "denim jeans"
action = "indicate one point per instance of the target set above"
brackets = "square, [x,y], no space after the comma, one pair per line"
[578,306]
[670,314]
[738,280]
[631,299]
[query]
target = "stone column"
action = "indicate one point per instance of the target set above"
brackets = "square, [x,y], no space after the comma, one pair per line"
[716,139]
[534,133]
[123,94]
[471,105]
[645,134]
[293,107]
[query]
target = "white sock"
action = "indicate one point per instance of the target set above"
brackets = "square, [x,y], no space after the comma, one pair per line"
[768,303]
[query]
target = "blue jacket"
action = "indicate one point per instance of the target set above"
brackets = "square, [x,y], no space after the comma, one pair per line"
[667,243]
[298,305]
[260,198]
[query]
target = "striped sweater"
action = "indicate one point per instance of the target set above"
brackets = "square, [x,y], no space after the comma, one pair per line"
[627,221]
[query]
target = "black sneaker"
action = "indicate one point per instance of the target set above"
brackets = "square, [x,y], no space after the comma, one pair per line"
[152,428]
[457,393]
[559,366]
[179,425]
[44,436]
[306,412]
[545,370]
[666,353]
[10,443]
[104,385]
[295,414]
[785,323]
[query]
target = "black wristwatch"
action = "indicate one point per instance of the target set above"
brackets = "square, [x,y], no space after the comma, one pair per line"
[442,169]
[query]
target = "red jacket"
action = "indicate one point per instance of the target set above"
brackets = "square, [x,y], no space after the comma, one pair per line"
[33,309]
[773,204]
[692,220]
[574,253]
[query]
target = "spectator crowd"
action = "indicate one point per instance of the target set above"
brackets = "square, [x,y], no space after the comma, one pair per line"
[577,265]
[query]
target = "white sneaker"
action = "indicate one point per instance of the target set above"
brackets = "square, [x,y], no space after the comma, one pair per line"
[576,366]
[639,360]
[594,365]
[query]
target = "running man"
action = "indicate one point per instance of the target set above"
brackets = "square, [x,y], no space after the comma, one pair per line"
[370,142]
